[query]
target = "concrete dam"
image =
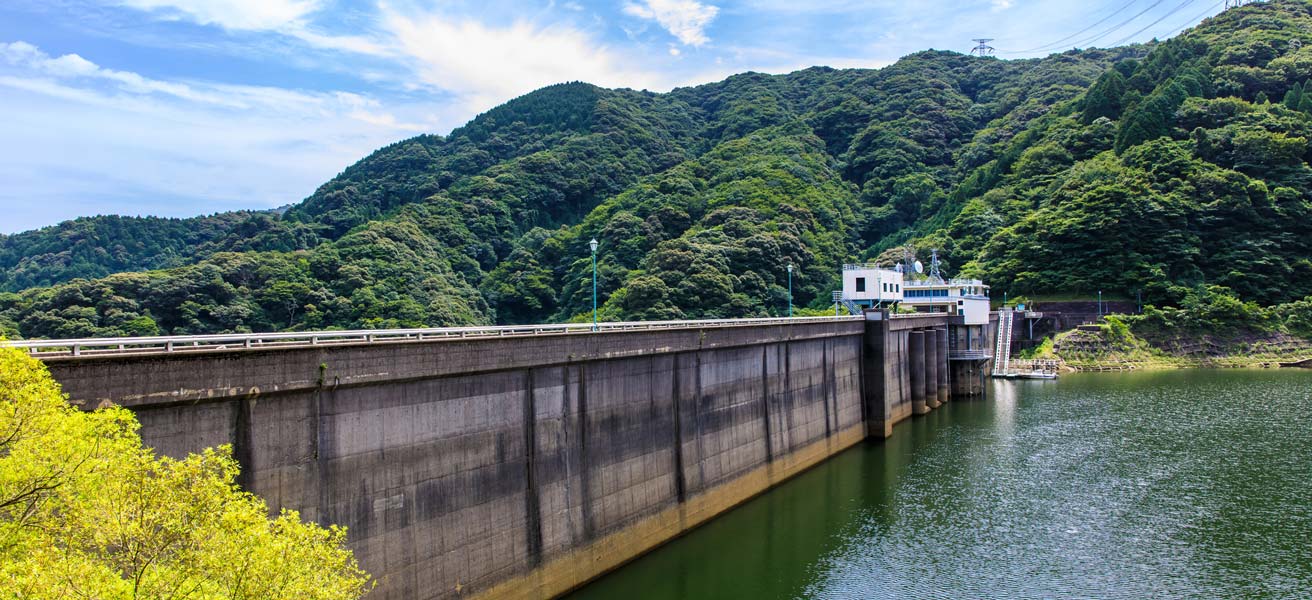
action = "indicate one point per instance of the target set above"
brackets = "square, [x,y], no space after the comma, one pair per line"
[523,466]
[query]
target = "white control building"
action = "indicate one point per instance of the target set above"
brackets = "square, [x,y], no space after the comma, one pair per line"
[964,297]
[867,285]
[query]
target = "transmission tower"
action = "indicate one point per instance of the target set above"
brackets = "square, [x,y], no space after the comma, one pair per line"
[933,267]
[983,49]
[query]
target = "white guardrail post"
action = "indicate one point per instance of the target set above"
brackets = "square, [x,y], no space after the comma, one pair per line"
[225,341]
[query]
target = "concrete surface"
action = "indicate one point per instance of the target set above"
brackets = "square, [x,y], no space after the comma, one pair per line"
[525,467]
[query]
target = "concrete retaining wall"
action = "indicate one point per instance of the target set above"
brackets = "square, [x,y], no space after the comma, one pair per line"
[519,467]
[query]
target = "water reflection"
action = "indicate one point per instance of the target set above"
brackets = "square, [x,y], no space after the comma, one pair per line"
[1004,394]
[1192,483]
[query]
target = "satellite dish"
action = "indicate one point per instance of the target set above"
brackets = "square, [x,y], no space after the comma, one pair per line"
[919,267]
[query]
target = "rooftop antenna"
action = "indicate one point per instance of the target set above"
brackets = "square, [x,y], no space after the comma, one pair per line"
[908,265]
[933,266]
[984,49]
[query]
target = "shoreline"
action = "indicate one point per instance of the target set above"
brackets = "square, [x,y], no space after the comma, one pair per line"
[1109,350]
[1222,363]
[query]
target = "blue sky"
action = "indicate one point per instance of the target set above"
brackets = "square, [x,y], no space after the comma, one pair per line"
[186,107]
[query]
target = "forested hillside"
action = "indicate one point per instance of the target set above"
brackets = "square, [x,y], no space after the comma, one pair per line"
[1158,169]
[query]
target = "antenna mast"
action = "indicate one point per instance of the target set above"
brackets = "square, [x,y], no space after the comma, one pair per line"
[906,267]
[933,267]
[984,49]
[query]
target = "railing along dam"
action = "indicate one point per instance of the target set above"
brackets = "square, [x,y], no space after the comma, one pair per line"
[521,461]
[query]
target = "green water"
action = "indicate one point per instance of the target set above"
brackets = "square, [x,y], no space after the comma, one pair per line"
[1138,485]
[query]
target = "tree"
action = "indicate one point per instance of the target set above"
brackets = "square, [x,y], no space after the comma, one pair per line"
[1153,117]
[1305,104]
[1294,97]
[86,511]
[1104,98]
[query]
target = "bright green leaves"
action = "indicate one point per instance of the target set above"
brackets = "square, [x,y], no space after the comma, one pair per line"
[86,511]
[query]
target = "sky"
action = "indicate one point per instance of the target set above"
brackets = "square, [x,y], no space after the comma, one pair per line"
[188,107]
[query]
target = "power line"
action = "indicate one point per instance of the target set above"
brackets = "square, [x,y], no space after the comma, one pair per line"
[1058,43]
[1103,34]
[1150,25]
[1197,18]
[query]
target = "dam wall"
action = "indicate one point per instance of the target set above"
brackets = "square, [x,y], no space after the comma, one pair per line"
[523,467]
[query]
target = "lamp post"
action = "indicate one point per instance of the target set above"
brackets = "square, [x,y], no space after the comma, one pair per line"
[790,290]
[593,244]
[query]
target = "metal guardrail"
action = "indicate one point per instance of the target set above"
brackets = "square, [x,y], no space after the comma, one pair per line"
[931,282]
[193,343]
[865,266]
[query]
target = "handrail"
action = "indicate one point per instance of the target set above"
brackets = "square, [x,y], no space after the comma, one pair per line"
[866,266]
[948,282]
[224,341]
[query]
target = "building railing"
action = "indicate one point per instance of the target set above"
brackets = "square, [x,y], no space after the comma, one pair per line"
[864,266]
[937,282]
[192,343]
[969,355]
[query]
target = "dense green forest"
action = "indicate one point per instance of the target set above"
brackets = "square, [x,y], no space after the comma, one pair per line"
[1170,169]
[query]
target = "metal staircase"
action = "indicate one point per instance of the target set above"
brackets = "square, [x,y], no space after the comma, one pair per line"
[1002,350]
[852,307]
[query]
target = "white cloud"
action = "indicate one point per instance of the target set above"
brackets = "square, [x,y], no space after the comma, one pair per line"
[686,20]
[33,61]
[487,65]
[1000,5]
[480,64]
[84,139]
[286,17]
[346,43]
[231,14]
[27,56]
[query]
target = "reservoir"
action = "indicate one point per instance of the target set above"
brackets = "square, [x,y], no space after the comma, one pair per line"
[1190,483]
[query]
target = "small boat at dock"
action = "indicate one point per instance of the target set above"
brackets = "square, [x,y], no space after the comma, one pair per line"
[1027,375]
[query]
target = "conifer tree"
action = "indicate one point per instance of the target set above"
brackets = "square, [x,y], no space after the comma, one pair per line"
[1152,118]
[1104,98]
[1294,97]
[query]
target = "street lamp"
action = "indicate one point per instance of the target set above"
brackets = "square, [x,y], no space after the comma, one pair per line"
[593,245]
[790,290]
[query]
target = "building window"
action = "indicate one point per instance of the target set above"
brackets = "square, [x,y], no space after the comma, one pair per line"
[860,284]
